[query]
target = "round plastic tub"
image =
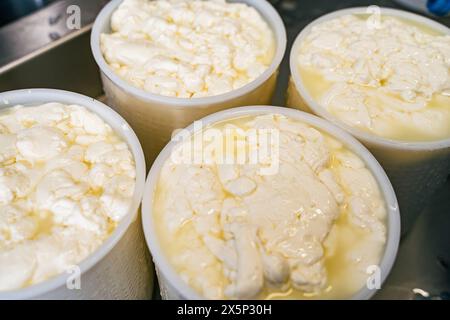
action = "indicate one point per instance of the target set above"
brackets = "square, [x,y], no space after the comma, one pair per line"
[171,284]
[155,117]
[416,169]
[120,268]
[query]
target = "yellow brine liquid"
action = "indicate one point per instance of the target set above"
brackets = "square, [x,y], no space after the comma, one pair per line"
[406,99]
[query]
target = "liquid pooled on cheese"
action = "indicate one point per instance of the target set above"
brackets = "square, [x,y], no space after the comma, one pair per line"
[309,229]
[391,79]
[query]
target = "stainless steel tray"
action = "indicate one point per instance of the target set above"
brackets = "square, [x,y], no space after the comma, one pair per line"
[64,64]
[422,269]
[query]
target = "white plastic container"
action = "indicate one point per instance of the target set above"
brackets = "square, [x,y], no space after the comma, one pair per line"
[416,169]
[120,268]
[155,117]
[171,284]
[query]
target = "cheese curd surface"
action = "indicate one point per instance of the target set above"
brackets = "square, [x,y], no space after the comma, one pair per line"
[390,77]
[310,230]
[66,180]
[188,49]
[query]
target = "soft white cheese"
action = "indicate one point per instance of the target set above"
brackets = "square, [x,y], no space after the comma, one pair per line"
[392,79]
[232,232]
[66,180]
[188,49]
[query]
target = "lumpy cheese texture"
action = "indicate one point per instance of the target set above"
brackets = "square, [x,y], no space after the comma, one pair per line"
[310,230]
[66,180]
[188,49]
[390,78]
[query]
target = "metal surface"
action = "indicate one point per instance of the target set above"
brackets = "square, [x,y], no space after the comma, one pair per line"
[65,64]
[422,269]
[45,26]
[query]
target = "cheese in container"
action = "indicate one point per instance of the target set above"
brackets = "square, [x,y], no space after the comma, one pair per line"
[165,64]
[72,174]
[267,202]
[382,75]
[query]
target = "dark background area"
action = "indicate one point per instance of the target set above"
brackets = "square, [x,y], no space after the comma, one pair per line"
[11,10]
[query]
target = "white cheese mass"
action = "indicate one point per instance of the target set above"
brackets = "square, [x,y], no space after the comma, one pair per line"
[66,180]
[188,49]
[391,79]
[308,231]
